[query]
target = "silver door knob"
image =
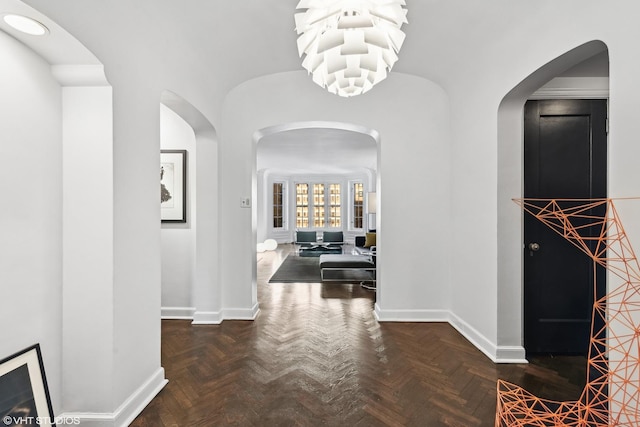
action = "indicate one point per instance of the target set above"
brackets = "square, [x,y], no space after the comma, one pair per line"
[534,246]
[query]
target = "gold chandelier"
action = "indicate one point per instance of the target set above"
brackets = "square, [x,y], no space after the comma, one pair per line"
[349,45]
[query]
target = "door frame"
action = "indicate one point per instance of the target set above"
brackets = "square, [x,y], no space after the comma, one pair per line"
[509,318]
[597,109]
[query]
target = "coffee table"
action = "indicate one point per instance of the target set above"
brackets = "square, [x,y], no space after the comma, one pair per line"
[317,250]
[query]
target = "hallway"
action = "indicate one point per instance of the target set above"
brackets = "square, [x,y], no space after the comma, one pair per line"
[315,355]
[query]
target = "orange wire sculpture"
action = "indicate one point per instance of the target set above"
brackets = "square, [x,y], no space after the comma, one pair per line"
[611,396]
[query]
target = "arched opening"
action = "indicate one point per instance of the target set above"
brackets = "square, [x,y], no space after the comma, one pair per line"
[200,299]
[510,185]
[317,155]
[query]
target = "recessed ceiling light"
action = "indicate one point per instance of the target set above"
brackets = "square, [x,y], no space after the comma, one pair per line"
[26,25]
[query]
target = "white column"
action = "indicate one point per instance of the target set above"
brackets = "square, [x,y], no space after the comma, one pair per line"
[87,307]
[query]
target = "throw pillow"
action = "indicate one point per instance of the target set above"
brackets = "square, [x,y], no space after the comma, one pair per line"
[369,240]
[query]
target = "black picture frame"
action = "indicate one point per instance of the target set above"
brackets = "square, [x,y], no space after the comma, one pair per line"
[24,393]
[173,186]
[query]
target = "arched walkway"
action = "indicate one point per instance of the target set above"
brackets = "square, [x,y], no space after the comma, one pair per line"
[205,289]
[274,130]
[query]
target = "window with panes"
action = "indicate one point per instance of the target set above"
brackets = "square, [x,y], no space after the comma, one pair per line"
[335,206]
[318,205]
[302,205]
[358,205]
[278,205]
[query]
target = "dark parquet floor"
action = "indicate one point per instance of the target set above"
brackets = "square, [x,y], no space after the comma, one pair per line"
[316,356]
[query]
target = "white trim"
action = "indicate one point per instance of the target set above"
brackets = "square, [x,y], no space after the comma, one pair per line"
[241,313]
[130,408]
[316,124]
[474,337]
[207,318]
[177,313]
[511,354]
[497,354]
[574,88]
[216,317]
[410,315]
[80,75]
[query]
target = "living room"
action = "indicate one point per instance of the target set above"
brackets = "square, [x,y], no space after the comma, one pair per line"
[333,163]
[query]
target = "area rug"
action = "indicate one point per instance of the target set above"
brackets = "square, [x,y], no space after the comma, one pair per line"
[297,269]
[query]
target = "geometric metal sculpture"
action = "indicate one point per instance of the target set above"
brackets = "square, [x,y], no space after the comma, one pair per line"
[611,396]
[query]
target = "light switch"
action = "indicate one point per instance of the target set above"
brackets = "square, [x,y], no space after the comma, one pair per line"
[245,202]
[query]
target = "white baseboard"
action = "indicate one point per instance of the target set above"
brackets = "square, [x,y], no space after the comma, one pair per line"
[177,313]
[411,315]
[497,354]
[511,354]
[474,337]
[207,318]
[128,411]
[242,313]
[216,317]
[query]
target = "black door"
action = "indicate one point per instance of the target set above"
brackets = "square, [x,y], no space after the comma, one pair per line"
[565,146]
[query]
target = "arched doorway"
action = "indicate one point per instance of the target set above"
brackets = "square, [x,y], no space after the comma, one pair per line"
[312,141]
[205,287]
[510,185]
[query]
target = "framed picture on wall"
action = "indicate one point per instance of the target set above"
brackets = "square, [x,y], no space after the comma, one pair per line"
[24,394]
[173,185]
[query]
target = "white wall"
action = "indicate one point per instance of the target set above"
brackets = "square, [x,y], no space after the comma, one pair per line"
[87,242]
[486,165]
[136,208]
[31,214]
[83,306]
[63,219]
[413,181]
[179,239]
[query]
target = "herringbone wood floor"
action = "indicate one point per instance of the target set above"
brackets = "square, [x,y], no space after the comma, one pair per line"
[316,356]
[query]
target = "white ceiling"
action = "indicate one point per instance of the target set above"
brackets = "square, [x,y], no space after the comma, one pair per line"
[236,41]
[316,151]
[222,44]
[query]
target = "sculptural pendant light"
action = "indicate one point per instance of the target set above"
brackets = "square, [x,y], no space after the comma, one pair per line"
[349,45]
